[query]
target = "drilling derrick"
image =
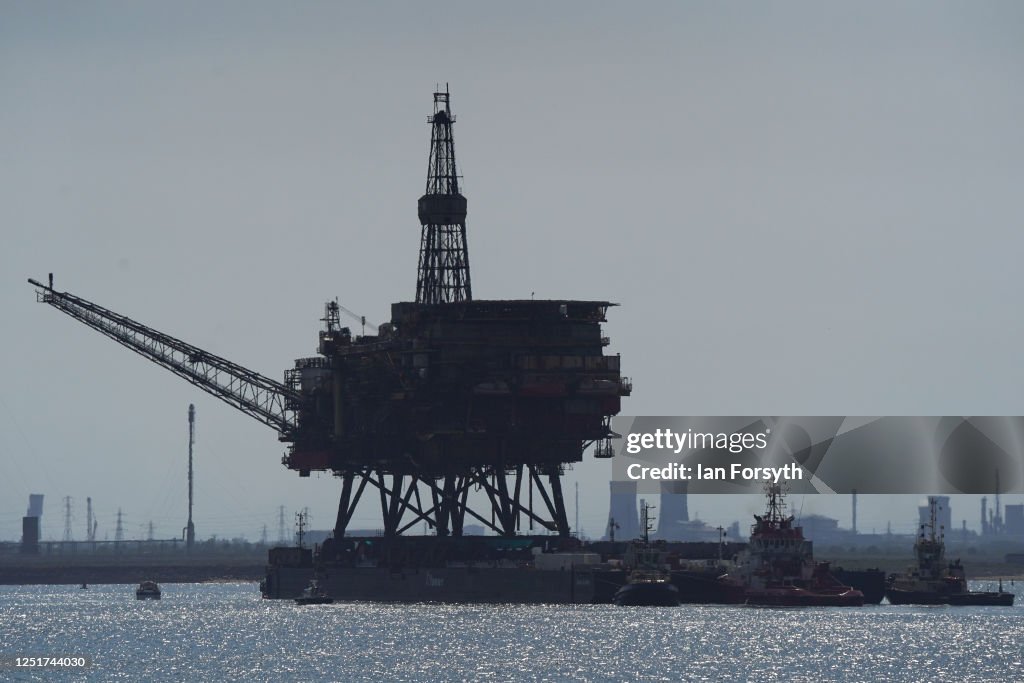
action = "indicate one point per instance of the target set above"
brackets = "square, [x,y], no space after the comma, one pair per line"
[443,275]
[452,395]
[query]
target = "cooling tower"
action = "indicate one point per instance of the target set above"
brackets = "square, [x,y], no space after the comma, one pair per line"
[674,515]
[622,510]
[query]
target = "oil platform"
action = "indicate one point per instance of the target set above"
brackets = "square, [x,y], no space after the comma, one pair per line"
[453,394]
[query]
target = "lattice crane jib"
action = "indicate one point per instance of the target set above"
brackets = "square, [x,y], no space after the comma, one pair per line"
[260,397]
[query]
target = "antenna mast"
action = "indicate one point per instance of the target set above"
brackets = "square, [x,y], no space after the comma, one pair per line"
[776,502]
[300,523]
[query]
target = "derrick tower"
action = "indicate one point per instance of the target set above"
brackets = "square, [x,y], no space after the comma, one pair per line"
[443,275]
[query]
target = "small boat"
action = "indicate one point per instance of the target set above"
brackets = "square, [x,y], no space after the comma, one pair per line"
[313,594]
[84,586]
[147,590]
[934,581]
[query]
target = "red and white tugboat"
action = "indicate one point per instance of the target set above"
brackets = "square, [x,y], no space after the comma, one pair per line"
[778,568]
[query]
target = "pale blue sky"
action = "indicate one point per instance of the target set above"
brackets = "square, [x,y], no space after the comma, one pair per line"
[803,208]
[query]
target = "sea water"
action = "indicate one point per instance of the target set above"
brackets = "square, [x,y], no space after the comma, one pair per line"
[226,632]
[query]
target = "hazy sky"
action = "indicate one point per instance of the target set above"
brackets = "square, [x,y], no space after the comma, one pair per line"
[804,208]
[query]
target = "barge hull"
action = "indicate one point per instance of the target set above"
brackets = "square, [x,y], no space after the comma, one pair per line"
[444,584]
[579,585]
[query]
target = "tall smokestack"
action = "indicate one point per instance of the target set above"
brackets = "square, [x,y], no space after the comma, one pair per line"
[854,500]
[35,509]
[998,526]
[35,505]
[190,529]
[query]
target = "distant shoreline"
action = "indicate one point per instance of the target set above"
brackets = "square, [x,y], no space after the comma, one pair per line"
[74,575]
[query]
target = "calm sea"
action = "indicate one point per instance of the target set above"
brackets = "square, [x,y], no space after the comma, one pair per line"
[225,632]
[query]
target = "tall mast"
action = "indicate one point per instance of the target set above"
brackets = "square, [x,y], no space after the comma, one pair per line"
[443,275]
[999,512]
[776,502]
[646,520]
[190,530]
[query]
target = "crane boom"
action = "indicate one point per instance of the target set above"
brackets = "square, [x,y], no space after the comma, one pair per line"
[267,400]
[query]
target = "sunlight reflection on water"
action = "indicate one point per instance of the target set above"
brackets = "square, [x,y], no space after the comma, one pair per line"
[226,632]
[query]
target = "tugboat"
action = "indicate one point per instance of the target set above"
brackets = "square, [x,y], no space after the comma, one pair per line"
[313,594]
[649,584]
[147,590]
[778,569]
[933,581]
